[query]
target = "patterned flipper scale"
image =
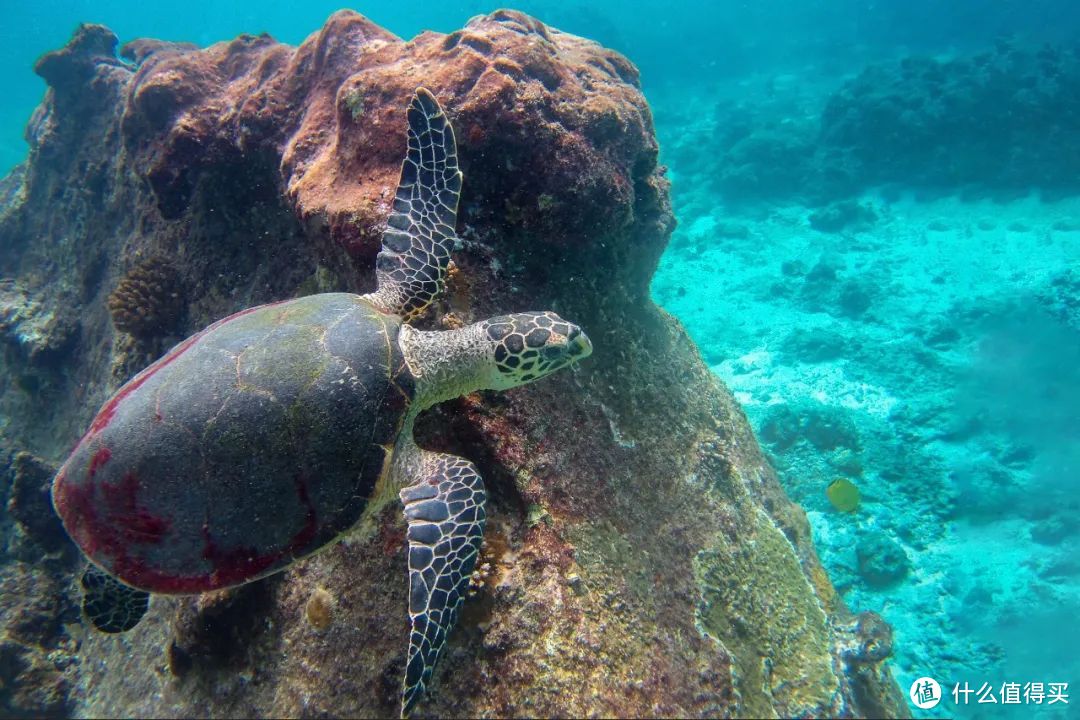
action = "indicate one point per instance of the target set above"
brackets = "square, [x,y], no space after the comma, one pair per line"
[446,517]
[110,605]
[411,267]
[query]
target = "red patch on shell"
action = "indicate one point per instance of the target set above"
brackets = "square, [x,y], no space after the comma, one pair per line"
[134,524]
[100,458]
[237,565]
[125,525]
[307,533]
[122,522]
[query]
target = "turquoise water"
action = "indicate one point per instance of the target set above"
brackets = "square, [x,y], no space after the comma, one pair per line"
[892,300]
[681,44]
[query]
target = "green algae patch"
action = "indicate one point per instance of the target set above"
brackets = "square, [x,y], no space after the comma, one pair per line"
[354,102]
[612,560]
[757,603]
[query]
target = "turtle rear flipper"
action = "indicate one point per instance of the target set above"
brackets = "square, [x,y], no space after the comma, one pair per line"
[411,267]
[111,606]
[445,512]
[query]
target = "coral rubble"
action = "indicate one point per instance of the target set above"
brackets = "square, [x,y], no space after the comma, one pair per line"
[642,558]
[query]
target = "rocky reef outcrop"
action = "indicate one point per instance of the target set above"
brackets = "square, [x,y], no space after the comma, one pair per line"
[641,557]
[996,123]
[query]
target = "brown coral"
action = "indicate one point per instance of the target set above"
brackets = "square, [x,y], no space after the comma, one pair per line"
[319,610]
[148,301]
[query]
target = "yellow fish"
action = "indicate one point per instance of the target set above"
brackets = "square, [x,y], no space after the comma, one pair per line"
[843,495]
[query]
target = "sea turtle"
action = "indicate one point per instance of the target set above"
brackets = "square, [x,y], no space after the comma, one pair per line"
[261,439]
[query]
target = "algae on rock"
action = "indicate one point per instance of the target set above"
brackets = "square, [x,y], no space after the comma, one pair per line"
[757,602]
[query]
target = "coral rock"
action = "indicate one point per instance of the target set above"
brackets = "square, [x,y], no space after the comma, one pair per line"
[39,333]
[882,561]
[30,505]
[77,62]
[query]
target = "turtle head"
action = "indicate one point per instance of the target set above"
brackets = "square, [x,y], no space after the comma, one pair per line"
[495,354]
[527,346]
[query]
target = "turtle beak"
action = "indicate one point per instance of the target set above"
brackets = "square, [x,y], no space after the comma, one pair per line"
[580,347]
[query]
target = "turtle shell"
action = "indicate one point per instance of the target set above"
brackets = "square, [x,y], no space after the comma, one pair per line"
[251,444]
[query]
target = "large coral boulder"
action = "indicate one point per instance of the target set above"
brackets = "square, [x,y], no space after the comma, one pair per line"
[641,557]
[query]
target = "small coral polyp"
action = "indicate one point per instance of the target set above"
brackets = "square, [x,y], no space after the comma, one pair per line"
[148,301]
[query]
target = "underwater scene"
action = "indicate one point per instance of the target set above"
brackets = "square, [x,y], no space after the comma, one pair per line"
[570,359]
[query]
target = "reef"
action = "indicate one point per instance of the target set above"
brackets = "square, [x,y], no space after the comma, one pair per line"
[641,557]
[995,124]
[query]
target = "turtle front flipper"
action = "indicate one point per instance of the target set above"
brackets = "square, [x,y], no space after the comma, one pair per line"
[445,512]
[411,267]
[111,606]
